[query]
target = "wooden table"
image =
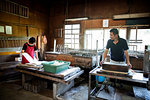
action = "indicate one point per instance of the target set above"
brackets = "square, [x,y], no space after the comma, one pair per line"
[137,77]
[67,80]
[45,75]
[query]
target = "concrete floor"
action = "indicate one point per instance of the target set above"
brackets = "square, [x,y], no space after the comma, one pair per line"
[14,91]
[76,93]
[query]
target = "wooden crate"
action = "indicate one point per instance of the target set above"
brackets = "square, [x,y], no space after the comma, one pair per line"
[115,67]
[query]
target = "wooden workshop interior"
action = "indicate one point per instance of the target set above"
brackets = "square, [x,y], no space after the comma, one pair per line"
[74,33]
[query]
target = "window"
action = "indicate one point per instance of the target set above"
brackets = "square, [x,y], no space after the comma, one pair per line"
[102,35]
[91,36]
[72,36]
[139,39]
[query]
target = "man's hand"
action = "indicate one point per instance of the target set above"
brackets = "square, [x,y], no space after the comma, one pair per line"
[101,63]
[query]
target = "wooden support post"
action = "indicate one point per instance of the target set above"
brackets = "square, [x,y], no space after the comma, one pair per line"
[23,79]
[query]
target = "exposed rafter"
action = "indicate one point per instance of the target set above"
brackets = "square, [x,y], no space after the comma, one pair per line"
[130,16]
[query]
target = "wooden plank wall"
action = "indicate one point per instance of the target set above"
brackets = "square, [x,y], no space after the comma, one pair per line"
[96,10]
[35,25]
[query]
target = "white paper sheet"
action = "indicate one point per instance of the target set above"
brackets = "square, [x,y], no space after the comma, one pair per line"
[30,59]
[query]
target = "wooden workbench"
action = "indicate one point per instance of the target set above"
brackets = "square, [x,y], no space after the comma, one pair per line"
[45,75]
[63,81]
[136,77]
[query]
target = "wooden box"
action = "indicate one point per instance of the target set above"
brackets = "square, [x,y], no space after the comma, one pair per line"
[115,67]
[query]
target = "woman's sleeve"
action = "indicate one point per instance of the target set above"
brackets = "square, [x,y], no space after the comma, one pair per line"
[35,48]
[24,47]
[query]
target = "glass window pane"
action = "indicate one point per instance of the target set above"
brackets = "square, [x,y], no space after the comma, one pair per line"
[67,31]
[122,33]
[67,40]
[75,31]
[72,36]
[144,35]
[76,36]
[89,42]
[76,26]
[69,45]
[76,40]
[73,41]
[73,46]
[97,35]
[66,46]
[88,31]
[140,34]
[106,36]
[133,34]
[67,26]
[67,36]
[76,46]
[87,38]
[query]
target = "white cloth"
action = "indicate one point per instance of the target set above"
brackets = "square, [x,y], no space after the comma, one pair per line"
[117,62]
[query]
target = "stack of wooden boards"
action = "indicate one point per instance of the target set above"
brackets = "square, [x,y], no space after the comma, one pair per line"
[115,69]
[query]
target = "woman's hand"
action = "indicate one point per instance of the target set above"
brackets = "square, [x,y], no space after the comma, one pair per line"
[129,65]
[37,59]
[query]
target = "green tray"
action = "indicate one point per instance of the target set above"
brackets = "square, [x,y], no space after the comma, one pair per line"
[49,67]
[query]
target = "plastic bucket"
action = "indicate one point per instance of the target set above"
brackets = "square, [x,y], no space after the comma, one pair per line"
[100,78]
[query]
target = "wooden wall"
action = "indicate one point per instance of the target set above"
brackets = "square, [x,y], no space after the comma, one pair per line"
[36,25]
[96,10]
[45,17]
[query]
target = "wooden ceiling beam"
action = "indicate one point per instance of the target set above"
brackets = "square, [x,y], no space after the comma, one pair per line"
[130,16]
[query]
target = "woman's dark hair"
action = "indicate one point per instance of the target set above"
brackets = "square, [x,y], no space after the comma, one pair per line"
[32,40]
[115,31]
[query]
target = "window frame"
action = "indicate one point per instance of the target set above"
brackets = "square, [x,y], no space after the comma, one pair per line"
[137,44]
[73,36]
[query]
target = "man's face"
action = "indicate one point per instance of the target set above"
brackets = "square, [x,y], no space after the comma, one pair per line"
[112,36]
